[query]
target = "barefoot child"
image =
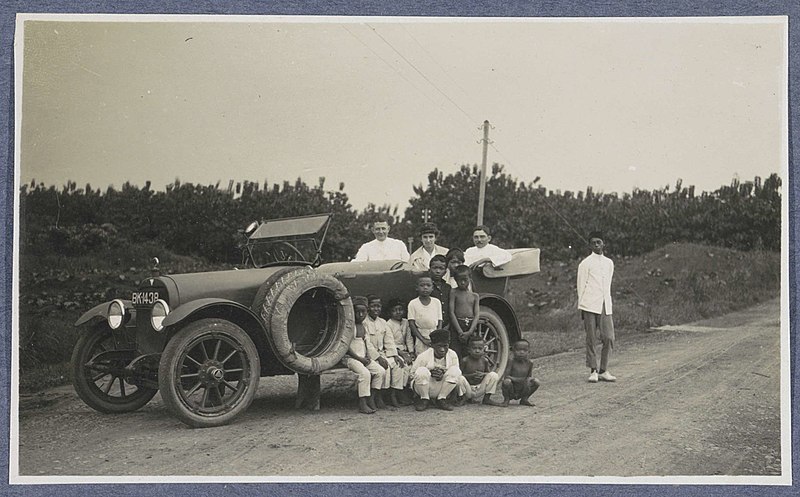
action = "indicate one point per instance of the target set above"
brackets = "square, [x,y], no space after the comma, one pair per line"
[464,310]
[424,314]
[358,360]
[382,339]
[435,372]
[481,381]
[519,382]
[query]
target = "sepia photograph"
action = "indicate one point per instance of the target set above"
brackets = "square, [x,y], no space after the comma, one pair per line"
[400,249]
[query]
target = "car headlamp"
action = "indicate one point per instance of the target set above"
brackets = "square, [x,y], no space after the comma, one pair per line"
[158,314]
[116,314]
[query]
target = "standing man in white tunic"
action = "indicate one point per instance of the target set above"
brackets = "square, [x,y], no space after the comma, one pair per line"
[382,248]
[594,301]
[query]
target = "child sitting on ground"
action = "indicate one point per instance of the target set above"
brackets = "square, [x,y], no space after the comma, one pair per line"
[464,310]
[478,381]
[382,339]
[424,314]
[435,372]
[519,382]
[359,359]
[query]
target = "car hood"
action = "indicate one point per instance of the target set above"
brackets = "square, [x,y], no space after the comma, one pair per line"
[236,285]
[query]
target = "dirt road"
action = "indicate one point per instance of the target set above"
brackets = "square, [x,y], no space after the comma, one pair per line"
[701,399]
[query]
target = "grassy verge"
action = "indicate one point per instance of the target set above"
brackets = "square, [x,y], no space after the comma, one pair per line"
[675,284]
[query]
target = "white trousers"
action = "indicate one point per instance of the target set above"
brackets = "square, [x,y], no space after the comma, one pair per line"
[396,377]
[369,376]
[425,386]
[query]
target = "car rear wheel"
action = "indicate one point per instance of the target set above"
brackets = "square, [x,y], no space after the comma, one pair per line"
[209,373]
[99,375]
[493,331]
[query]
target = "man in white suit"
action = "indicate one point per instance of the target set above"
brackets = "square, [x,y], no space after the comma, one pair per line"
[594,301]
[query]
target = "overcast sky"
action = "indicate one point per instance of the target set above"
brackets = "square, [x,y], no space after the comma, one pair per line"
[378,105]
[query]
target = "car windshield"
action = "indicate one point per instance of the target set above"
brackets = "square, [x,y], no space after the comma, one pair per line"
[271,251]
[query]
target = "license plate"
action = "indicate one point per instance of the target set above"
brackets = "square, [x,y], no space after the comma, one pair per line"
[144,298]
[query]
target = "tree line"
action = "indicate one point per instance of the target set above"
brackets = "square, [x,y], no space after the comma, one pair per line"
[202,220]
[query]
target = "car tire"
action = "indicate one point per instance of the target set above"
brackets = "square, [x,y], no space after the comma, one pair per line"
[268,292]
[277,306]
[208,373]
[498,347]
[109,392]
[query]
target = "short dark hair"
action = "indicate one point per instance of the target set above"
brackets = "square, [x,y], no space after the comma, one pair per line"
[395,302]
[439,336]
[424,275]
[475,338]
[452,253]
[521,340]
[372,297]
[438,258]
[461,270]
[428,228]
[359,300]
[380,218]
[482,227]
[596,234]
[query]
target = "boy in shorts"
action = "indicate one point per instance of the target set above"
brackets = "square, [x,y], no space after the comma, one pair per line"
[424,314]
[519,382]
[464,310]
[478,381]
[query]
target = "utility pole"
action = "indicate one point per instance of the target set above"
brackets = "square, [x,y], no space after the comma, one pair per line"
[425,214]
[482,195]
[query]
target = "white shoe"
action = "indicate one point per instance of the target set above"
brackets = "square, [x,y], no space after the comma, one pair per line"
[593,377]
[606,376]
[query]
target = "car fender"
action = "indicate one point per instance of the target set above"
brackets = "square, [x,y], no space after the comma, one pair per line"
[176,316]
[101,311]
[501,306]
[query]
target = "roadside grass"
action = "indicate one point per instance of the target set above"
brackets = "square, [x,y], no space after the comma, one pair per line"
[675,284]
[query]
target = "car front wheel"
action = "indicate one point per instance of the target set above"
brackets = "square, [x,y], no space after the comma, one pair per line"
[99,375]
[209,373]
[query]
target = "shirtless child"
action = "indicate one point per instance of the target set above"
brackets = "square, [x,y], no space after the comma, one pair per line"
[478,380]
[464,310]
[519,382]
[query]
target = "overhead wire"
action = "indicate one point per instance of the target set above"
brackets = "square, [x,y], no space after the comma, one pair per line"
[445,95]
[393,68]
[455,104]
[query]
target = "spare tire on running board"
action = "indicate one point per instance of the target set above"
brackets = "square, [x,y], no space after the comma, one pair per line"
[309,318]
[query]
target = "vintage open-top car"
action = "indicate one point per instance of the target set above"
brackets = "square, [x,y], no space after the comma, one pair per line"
[204,339]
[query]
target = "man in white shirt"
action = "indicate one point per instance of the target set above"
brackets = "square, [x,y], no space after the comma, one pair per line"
[421,258]
[382,248]
[483,251]
[594,301]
